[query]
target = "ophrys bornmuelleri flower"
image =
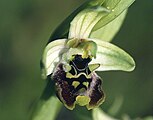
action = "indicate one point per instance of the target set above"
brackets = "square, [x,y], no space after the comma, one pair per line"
[72,62]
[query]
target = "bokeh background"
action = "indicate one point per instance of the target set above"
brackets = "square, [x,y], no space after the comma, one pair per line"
[25,27]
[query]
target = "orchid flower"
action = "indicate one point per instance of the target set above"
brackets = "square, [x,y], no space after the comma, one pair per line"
[72,62]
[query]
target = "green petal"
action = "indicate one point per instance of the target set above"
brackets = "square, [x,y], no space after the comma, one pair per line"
[111,57]
[51,55]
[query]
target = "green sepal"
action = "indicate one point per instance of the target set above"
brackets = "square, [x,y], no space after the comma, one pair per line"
[51,55]
[111,57]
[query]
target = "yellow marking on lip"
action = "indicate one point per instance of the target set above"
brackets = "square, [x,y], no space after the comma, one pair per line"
[82,100]
[81,90]
[75,84]
[93,67]
[69,75]
[85,84]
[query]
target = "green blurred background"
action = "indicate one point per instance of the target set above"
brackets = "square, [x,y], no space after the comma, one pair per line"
[25,27]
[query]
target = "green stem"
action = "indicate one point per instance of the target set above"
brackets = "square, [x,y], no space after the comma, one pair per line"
[47,110]
[48,106]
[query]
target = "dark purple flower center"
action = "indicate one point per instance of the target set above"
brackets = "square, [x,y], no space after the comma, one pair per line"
[80,65]
[68,89]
